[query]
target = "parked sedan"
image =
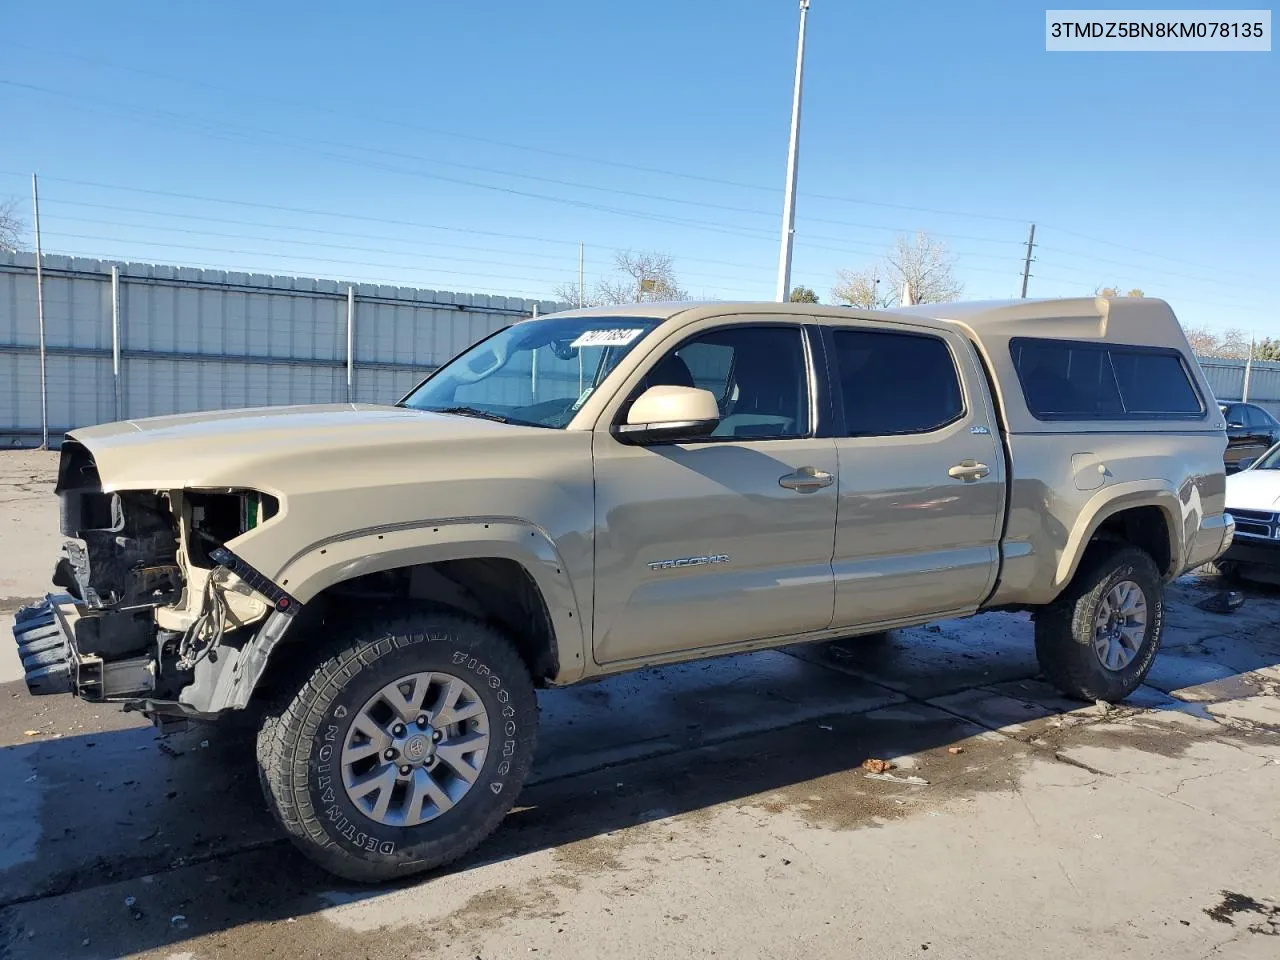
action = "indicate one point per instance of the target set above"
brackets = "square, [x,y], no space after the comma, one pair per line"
[1251,432]
[1253,499]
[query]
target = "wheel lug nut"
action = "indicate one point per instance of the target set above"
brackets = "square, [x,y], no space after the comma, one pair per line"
[422,721]
[390,754]
[437,737]
[398,730]
[405,770]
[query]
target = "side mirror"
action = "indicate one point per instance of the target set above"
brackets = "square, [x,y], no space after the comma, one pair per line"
[1246,463]
[666,414]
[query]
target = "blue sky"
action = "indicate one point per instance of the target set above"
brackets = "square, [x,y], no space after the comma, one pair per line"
[471,146]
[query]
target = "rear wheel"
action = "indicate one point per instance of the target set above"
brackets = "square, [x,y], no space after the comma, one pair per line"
[1098,640]
[403,749]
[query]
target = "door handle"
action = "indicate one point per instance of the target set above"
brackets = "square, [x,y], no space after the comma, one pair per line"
[970,471]
[806,480]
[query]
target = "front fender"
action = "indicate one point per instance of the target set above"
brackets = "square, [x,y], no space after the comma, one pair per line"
[1112,500]
[385,548]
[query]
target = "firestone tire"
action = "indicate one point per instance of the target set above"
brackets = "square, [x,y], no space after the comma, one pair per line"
[305,740]
[1068,633]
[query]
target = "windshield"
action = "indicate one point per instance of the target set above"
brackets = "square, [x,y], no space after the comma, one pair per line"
[536,372]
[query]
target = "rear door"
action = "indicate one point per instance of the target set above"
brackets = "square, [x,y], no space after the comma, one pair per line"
[922,482]
[1259,424]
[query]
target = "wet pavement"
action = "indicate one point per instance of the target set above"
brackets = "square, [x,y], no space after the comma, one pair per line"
[717,809]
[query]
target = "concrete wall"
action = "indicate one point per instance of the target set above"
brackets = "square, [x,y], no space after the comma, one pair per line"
[195,339]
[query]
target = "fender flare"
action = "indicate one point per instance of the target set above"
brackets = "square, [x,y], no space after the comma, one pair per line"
[374,550]
[1107,503]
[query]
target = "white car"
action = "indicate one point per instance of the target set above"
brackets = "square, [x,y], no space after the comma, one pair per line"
[1253,499]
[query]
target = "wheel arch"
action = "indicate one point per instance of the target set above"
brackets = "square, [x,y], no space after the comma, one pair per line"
[505,571]
[1145,514]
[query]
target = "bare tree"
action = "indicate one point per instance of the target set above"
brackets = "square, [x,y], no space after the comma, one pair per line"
[921,266]
[569,293]
[1233,344]
[1114,293]
[641,278]
[11,225]
[648,276]
[863,288]
[925,267]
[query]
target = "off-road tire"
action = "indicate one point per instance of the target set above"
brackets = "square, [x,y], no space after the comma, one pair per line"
[1065,628]
[301,735]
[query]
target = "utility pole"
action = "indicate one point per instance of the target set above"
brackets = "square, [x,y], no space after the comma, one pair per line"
[1026,265]
[44,386]
[793,155]
[582,290]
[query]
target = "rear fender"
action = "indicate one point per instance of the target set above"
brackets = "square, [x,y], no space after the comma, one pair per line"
[1113,499]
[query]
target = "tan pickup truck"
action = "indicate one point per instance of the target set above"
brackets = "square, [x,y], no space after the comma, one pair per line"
[605,489]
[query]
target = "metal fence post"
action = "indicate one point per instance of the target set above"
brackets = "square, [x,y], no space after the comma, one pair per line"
[1248,374]
[115,341]
[351,343]
[44,383]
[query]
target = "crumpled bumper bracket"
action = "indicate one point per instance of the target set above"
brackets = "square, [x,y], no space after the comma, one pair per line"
[44,645]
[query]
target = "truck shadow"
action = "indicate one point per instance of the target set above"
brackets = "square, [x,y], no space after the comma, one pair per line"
[131,843]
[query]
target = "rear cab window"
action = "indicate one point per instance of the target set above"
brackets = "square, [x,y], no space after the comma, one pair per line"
[1070,380]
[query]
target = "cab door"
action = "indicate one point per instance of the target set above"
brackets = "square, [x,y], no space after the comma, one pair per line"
[922,482]
[725,539]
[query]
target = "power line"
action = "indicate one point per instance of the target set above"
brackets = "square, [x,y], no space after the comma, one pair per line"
[739,231]
[807,239]
[1131,266]
[731,230]
[259,95]
[240,268]
[281,138]
[426,267]
[1161,256]
[362,236]
[348,246]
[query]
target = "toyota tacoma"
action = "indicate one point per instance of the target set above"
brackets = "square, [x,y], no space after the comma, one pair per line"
[612,488]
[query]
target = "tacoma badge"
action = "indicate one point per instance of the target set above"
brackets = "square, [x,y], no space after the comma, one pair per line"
[689,561]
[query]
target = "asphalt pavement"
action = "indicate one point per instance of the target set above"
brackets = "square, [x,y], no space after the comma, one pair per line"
[716,809]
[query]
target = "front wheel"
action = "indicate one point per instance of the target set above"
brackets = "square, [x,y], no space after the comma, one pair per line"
[403,749]
[1098,640]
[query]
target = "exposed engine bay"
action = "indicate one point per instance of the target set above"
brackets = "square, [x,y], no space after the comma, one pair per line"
[151,591]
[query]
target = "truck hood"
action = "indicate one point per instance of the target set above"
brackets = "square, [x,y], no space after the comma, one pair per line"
[237,447]
[1254,490]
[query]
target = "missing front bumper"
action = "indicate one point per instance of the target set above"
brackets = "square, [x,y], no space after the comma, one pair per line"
[53,662]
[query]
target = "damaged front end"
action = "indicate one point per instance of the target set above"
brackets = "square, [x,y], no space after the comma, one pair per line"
[152,593]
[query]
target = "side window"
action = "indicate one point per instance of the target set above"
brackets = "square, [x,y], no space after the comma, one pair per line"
[1153,383]
[758,375]
[1254,417]
[710,365]
[1064,380]
[896,383]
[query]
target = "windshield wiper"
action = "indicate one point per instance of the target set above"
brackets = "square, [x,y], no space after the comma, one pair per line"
[471,412]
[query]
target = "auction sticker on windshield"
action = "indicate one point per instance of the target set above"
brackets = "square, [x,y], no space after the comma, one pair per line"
[606,338]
